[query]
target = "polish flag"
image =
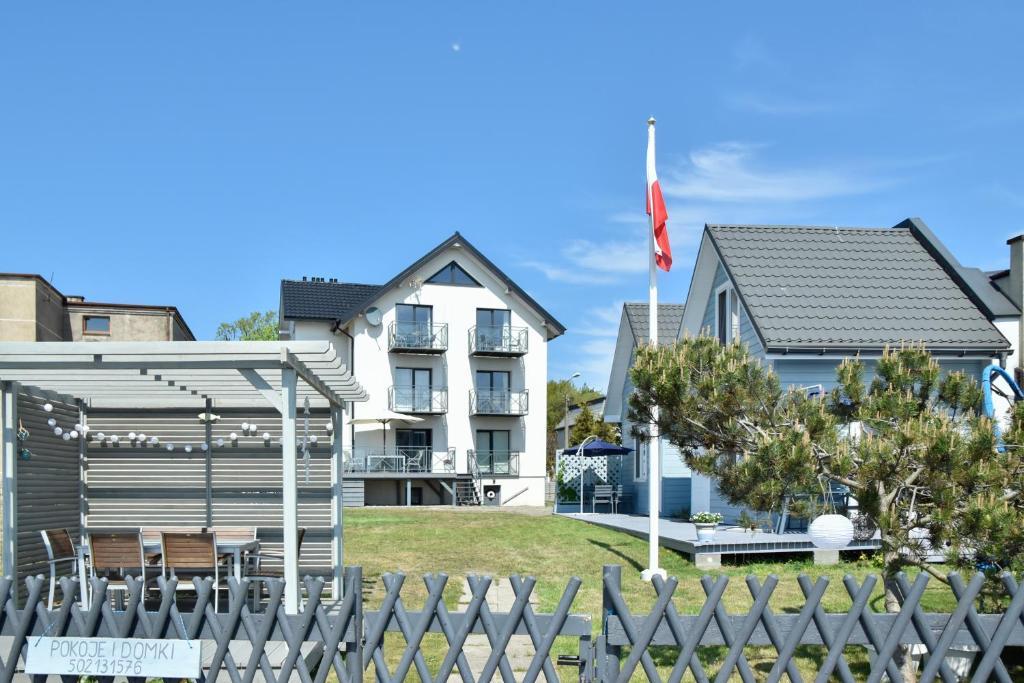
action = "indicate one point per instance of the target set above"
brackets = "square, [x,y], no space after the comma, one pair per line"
[656,208]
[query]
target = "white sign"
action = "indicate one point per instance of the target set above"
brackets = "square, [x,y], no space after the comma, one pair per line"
[114,657]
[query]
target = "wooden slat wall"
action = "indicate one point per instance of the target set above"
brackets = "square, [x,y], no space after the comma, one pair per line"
[129,485]
[48,490]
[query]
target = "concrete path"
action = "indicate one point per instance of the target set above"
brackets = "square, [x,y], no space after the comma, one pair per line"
[500,598]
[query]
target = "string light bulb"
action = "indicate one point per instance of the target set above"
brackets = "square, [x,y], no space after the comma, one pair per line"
[48,407]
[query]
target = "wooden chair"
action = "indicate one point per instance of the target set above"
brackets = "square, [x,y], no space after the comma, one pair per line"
[603,493]
[260,571]
[151,537]
[187,555]
[60,549]
[117,555]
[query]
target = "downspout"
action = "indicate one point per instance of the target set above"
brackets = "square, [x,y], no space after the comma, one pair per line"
[351,371]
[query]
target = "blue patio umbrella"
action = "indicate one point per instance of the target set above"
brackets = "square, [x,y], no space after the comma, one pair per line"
[593,447]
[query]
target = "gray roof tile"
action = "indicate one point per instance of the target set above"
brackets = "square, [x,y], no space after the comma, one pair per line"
[812,286]
[670,320]
[311,299]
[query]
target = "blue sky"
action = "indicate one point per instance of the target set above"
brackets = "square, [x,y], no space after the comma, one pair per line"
[195,153]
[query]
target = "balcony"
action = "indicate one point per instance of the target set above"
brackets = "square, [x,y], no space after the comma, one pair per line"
[418,338]
[495,463]
[498,340]
[498,402]
[417,400]
[399,460]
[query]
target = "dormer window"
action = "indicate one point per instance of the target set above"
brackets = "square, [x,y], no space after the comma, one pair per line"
[453,274]
[727,314]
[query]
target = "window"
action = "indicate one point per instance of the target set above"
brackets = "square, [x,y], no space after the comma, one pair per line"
[727,314]
[639,460]
[414,445]
[493,452]
[412,389]
[413,325]
[96,324]
[453,274]
[493,329]
[492,391]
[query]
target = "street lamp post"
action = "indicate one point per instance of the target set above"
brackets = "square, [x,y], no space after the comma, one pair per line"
[565,418]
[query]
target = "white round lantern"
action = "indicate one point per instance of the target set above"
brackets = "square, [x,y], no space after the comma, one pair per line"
[51,422]
[188,448]
[73,434]
[219,442]
[100,436]
[48,407]
[253,428]
[66,436]
[831,532]
[170,446]
[266,436]
[114,438]
[312,439]
[245,426]
[330,427]
[58,431]
[234,437]
[78,427]
[142,437]
[203,446]
[131,436]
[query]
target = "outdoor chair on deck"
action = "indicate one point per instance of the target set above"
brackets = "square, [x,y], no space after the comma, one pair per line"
[267,565]
[189,555]
[116,555]
[151,537]
[602,494]
[60,551]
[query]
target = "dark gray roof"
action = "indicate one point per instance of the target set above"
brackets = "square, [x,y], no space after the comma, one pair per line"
[323,300]
[827,287]
[670,320]
[340,301]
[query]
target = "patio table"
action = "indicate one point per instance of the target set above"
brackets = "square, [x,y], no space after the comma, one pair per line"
[386,463]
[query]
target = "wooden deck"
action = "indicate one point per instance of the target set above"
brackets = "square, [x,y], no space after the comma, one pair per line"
[682,537]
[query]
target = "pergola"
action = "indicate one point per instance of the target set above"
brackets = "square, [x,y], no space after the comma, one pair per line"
[204,375]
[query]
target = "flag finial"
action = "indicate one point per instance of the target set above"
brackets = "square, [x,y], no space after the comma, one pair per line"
[650,121]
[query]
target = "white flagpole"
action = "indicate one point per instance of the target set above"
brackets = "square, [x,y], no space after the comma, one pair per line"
[654,447]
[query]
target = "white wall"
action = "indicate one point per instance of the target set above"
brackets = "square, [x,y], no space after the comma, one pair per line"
[374,369]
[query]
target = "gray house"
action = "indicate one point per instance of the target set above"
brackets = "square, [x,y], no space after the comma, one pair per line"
[634,330]
[803,298]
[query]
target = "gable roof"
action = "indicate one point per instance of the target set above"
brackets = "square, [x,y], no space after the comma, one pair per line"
[670,319]
[323,300]
[320,300]
[829,288]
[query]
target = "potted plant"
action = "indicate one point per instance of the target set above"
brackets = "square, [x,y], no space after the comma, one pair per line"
[706,523]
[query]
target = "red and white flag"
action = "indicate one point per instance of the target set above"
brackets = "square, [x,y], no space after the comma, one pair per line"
[656,208]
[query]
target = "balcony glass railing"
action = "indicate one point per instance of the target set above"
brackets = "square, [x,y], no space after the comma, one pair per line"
[495,463]
[417,399]
[399,460]
[498,402]
[498,340]
[417,337]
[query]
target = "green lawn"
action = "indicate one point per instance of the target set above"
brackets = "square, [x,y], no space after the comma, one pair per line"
[552,549]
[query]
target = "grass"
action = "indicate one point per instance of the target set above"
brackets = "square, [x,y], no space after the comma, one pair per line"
[552,549]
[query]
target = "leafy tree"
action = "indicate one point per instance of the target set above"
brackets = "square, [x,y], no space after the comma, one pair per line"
[254,327]
[588,424]
[558,391]
[911,446]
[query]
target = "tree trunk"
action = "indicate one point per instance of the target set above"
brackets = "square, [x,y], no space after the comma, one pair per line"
[891,557]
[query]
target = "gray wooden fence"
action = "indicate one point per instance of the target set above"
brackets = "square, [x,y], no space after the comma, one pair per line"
[343,639]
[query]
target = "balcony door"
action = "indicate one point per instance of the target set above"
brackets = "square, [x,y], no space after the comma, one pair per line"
[413,325]
[493,329]
[412,390]
[492,391]
[492,451]
[414,446]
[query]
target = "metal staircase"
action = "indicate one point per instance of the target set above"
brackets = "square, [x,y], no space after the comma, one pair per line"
[467,486]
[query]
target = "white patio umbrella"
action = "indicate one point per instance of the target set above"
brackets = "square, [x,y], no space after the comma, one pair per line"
[384,417]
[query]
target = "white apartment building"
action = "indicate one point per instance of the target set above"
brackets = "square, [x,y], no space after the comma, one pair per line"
[453,355]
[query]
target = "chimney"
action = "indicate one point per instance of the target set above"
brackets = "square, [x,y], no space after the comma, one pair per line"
[1016,288]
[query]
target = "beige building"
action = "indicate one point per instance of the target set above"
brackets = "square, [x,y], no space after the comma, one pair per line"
[31,309]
